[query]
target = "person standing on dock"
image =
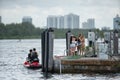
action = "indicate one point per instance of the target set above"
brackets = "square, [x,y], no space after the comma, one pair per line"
[29,58]
[82,48]
[73,45]
[79,44]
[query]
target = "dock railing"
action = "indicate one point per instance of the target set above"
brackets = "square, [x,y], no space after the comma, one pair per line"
[66,52]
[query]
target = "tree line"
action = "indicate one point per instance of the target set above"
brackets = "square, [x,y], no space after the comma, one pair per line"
[18,30]
[28,30]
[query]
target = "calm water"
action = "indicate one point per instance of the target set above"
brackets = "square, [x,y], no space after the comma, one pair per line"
[13,53]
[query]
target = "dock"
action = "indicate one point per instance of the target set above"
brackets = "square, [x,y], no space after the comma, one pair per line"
[85,65]
[99,57]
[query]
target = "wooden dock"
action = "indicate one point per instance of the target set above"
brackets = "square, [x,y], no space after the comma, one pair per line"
[80,65]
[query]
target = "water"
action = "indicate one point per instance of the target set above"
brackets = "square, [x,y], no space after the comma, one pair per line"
[13,53]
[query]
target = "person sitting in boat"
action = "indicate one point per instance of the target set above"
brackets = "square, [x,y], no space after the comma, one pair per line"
[29,58]
[32,60]
[34,55]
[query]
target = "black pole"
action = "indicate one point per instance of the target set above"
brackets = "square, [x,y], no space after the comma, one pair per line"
[47,51]
[50,50]
[44,53]
[43,49]
[68,35]
[115,42]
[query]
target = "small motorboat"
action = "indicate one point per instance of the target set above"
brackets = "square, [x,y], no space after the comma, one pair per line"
[32,65]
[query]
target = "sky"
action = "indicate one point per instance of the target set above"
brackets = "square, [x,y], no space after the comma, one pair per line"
[103,11]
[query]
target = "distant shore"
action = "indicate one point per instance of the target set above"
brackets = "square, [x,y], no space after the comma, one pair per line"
[29,31]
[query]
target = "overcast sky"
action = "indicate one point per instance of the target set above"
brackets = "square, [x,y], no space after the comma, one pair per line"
[103,11]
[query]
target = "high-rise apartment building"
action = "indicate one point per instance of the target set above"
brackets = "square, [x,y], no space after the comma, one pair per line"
[105,28]
[71,21]
[90,24]
[60,22]
[85,25]
[116,22]
[52,22]
[68,21]
[27,19]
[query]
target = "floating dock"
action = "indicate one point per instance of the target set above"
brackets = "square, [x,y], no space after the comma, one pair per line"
[85,65]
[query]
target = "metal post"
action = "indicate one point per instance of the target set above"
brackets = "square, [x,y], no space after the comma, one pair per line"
[47,51]
[115,42]
[110,50]
[60,67]
[43,48]
[68,35]
[50,50]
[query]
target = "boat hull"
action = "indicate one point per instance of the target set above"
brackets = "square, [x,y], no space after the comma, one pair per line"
[32,65]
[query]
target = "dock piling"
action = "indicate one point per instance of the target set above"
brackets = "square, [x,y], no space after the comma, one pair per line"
[47,51]
[115,42]
[68,35]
